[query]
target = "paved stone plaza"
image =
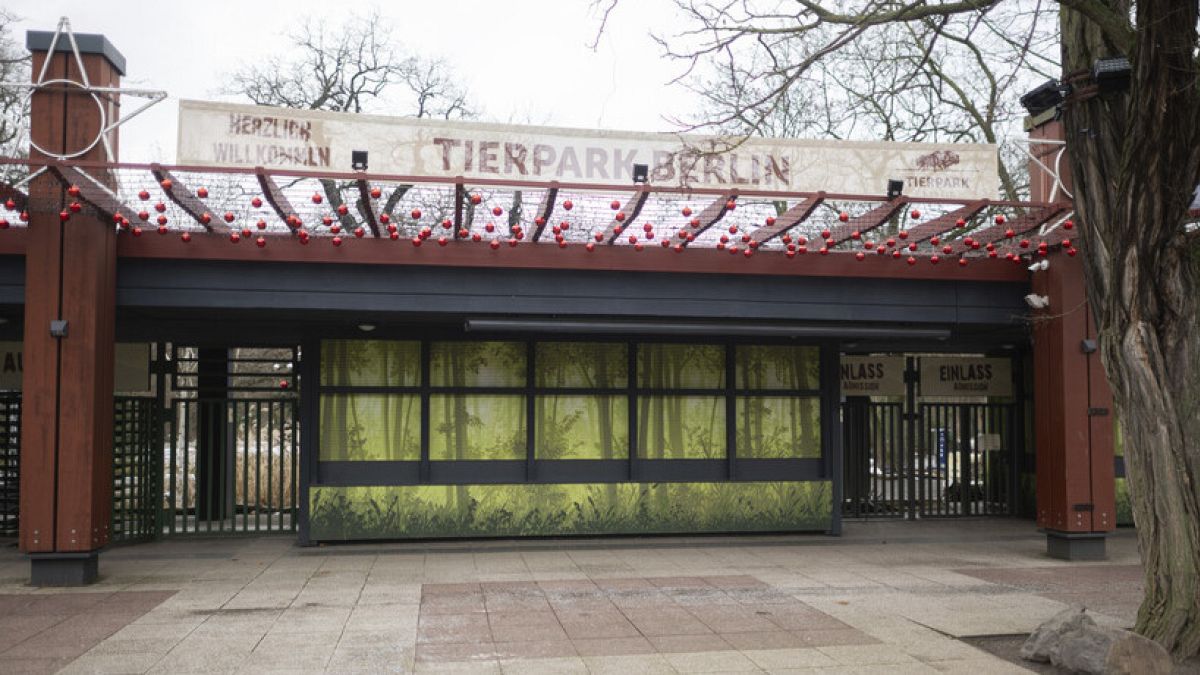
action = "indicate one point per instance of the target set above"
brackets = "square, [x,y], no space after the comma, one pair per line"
[885,598]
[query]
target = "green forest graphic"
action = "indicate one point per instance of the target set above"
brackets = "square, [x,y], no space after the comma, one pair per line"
[420,511]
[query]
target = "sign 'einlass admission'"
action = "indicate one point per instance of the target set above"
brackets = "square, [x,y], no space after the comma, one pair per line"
[216,134]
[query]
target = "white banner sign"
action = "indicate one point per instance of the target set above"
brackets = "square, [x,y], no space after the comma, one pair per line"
[965,376]
[233,135]
[131,369]
[873,375]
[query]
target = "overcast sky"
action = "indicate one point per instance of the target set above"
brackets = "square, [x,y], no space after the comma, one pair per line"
[521,61]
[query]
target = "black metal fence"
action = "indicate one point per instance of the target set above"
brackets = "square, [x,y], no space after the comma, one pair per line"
[10,456]
[232,466]
[137,468]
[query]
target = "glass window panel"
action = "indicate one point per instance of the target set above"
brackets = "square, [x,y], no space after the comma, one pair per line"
[681,427]
[370,363]
[477,364]
[581,427]
[590,365]
[778,367]
[370,427]
[476,426]
[681,366]
[778,427]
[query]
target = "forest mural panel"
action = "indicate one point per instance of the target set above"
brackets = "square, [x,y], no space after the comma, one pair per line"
[419,511]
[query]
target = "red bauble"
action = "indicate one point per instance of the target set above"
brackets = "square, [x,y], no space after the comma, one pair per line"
[416,214]
[342,209]
[261,224]
[568,205]
[999,219]
[495,244]
[326,221]
[1010,233]
[476,199]
[393,235]
[497,211]
[633,239]
[1071,252]
[335,228]
[962,262]
[376,193]
[770,221]
[162,229]
[620,217]
[261,242]
[903,234]
[599,236]
[694,222]
[317,198]
[160,207]
[476,237]
[860,256]
[913,247]
[463,234]
[947,249]
[385,218]
[166,184]
[144,215]
[730,205]
[591,246]
[229,217]
[234,237]
[512,242]
[186,237]
[162,220]
[246,232]
[614,205]
[687,211]
[678,248]
[855,235]
[256,202]
[1066,243]
[490,227]
[142,194]
[202,193]
[844,217]
[1024,243]
[825,234]
[73,191]
[448,224]
[1068,224]
[912,260]
[416,242]
[442,241]
[359,232]
[205,218]
[12,205]
[960,223]
[935,240]
[915,214]
[934,259]
[336,241]
[137,231]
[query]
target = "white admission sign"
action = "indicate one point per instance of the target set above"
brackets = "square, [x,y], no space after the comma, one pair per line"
[216,134]
[131,371]
[965,376]
[873,375]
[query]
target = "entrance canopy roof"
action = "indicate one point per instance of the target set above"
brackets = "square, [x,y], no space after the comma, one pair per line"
[278,215]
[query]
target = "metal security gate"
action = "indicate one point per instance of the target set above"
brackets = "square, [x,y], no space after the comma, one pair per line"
[247,482]
[137,468]
[964,457]
[875,464]
[10,456]
[939,460]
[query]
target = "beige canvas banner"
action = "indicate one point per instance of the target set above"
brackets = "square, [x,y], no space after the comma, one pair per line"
[131,369]
[233,135]
[965,376]
[873,375]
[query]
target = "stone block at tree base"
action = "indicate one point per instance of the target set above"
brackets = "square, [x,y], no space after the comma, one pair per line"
[1072,640]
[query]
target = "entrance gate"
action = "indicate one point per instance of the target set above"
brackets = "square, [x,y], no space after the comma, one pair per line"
[928,459]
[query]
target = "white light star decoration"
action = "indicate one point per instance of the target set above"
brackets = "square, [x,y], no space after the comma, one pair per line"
[110,118]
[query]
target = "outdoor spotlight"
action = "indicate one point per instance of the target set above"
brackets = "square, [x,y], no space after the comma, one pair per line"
[1088,346]
[895,188]
[1047,95]
[641,173]
[358,160]
[1036,301]
[366,327]
[1040,266]
[1112,75]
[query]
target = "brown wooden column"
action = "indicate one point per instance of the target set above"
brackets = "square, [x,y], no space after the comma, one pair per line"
[1073,422]
[67,408]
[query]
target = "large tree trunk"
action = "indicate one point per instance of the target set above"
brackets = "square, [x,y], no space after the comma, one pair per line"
[1135,160]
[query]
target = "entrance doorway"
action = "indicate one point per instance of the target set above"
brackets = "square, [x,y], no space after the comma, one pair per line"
[915,456]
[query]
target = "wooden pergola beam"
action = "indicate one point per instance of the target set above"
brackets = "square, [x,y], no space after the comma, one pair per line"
[631,208]
[710,216]
[545,210]
[275,197]
[1033,219]
[868,221]
[946,222]
[794,216]
[177,193]
[366,208]
[92,193]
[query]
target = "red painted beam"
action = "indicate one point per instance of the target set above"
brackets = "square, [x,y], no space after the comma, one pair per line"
[383,251]
[788,219]
[545,210]
[90,192]
[275,197]
[946,222]
[177,193]
[711,215]
[1033,219]
[868,221]
[632,208]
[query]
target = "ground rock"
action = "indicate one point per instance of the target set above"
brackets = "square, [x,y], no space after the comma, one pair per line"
[1045,639]
[1071,640]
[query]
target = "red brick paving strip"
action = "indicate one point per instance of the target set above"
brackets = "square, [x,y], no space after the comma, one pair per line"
[617,617]
[42,632]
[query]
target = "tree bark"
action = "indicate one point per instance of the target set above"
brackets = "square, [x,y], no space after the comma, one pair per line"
[1135,159]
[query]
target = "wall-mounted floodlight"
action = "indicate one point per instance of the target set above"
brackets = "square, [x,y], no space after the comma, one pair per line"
[358,160]
[1049,94]
[1112,75]
[641,173]
[894,189]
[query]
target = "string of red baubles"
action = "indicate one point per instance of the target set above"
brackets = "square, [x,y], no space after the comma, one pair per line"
[794,246]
